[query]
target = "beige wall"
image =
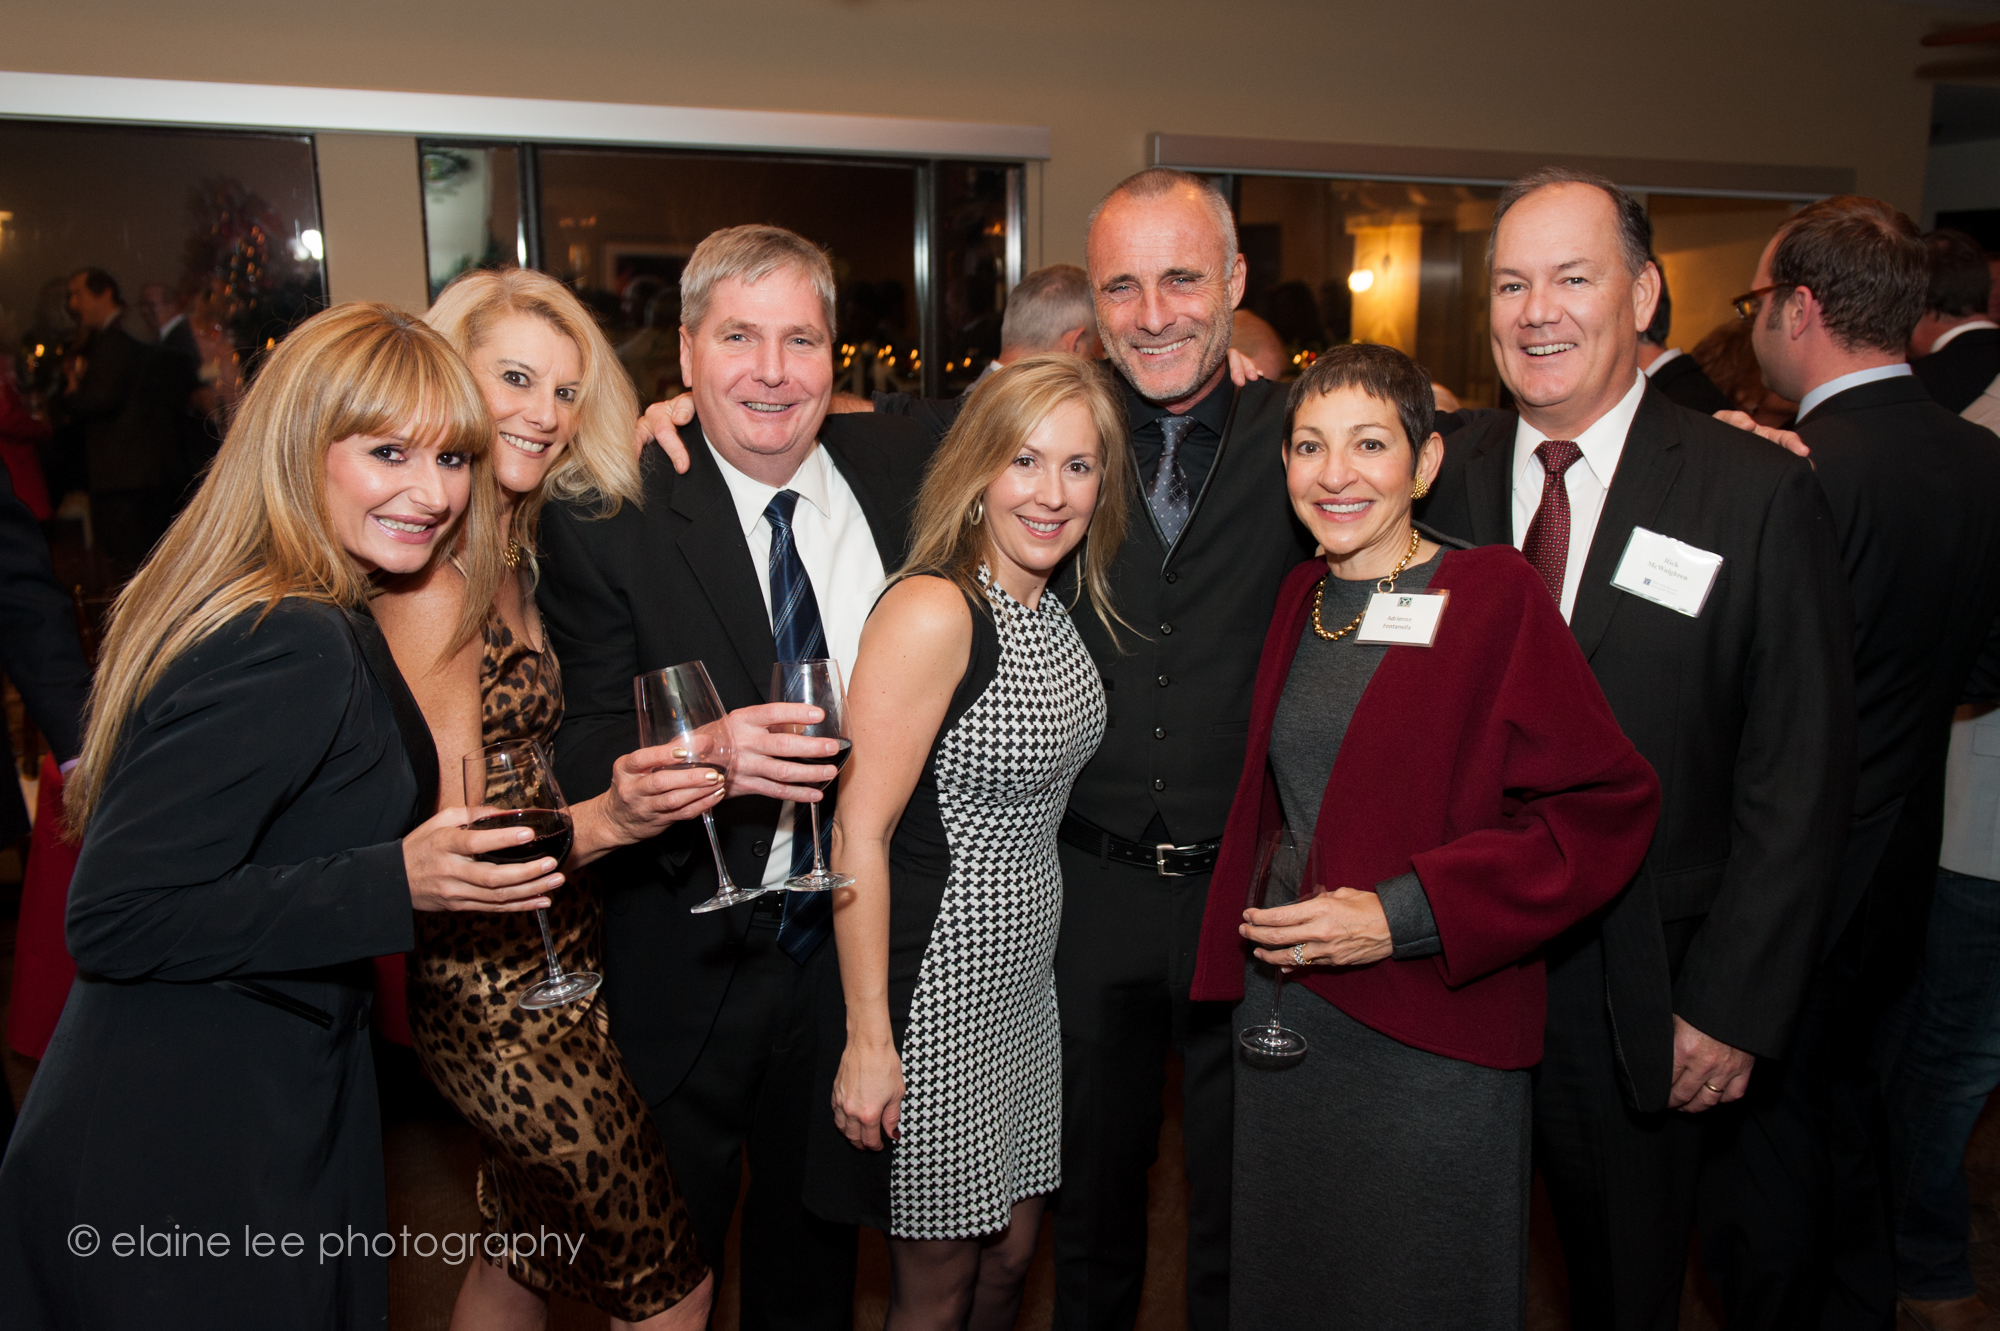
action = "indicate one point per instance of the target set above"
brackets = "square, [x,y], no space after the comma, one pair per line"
[1832,83]
[371,210]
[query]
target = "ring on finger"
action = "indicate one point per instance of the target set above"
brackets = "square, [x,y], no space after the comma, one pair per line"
[1713,1087]
[1298,954]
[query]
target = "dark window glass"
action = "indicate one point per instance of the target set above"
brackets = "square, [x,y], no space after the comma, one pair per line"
[472,209]
[977,254]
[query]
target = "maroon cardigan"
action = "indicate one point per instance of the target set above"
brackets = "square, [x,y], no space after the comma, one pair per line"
[1490,764]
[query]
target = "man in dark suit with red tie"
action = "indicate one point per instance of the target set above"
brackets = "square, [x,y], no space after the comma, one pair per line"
[1700,575]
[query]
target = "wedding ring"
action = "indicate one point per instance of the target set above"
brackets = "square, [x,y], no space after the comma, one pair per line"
[1298,954]
[1713,1087]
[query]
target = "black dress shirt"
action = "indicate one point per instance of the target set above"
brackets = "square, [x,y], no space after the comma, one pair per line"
[1197,455]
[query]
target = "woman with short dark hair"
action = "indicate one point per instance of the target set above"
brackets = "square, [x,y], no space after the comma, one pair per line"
[1424,721]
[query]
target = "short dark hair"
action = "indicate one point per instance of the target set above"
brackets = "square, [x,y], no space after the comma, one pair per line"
[1960,279]
[1383,373]
[97,282]
[1663,313]
[1635,229]
[1865,264]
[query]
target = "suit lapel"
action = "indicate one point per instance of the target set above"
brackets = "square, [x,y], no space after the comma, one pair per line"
[887,510]
[1489,485]
[712,543]
[1646,469]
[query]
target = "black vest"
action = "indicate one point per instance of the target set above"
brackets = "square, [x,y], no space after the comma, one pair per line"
[1178,689]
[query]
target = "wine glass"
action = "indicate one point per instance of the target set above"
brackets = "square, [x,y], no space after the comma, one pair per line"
[679,706]
[516,783]
[817,683]
[1284,874]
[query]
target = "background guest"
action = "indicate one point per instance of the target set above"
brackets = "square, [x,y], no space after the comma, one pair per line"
[1672,371]
[1481,811]
[974,707]
[1955,348]
[1726,356]
[484,675]
[1258,342]
[1660,1007]
[178,375]
[1792,1220]
[252,771]
[134,468]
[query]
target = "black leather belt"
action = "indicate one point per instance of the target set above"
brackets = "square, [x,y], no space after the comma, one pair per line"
[1165,859]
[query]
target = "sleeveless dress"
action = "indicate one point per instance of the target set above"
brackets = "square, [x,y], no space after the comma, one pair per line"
[569,1147]
[975,900]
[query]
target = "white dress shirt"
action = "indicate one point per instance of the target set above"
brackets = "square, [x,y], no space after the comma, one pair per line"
[1588,480]
[1664,358]
[838,550]
[1970,325]
[1847,381]
[1972,794]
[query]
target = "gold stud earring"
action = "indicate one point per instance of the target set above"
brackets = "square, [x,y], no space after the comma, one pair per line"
[1420,489]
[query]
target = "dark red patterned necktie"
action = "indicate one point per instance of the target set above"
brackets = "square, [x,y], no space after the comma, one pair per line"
[1547,546]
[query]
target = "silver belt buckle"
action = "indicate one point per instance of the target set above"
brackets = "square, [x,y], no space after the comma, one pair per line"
[1160,860]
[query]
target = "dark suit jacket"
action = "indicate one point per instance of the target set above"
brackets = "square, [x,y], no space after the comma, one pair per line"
[38,649]
[1746,712]
[1961,372]
[1915,494]
[121,402]
[1684,381]
[655,585]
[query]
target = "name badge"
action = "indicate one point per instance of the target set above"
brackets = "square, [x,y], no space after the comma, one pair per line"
[1406,619]
[1666,572]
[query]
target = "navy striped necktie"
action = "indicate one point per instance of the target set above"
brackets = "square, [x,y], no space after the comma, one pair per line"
[798,635]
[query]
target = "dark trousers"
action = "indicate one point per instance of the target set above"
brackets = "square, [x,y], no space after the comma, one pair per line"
[1621,1183]
[750,1088]
[1123,965]
[1940,1057]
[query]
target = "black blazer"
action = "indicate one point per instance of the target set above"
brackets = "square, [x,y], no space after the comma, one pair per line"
[1962,371]
[128,424]
[1746,713]
[657,584]
[212,1064]
[1684,381]
[1915,494]
[38,648]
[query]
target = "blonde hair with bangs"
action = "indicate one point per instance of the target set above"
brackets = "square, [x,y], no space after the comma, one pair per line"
[598,467]
[1002,412]
[259,529]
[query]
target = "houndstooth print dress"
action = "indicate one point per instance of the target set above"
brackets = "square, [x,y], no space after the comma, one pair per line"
[982,1055]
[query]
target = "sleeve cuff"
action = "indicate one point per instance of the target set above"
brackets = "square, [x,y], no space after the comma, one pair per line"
[1412,928]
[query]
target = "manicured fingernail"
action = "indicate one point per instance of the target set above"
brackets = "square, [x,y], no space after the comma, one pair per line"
[525,834]
[680,753]
[712,774]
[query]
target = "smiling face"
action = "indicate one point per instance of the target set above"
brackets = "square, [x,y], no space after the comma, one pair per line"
[761,370]
[530,373]
[1566,312]
[1348,469]
[1038,509]
[1165,284]
[392,498]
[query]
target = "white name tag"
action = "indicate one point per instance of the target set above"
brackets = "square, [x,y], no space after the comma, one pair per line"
[1666,572]
[1408,619]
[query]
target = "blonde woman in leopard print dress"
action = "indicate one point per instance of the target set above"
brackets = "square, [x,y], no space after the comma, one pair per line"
[569,1147]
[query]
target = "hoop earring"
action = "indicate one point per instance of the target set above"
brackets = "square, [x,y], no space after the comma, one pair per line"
[1420,489]
[978,513]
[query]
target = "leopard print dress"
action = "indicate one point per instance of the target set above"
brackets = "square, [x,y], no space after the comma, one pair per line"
[570,1148]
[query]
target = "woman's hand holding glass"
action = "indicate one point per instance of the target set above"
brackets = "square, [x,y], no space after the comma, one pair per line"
[651,789]
[1343,927]
[868,1093]
[438,859]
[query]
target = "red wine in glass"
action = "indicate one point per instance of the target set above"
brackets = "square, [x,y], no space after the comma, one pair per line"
[553,835]
[816,682]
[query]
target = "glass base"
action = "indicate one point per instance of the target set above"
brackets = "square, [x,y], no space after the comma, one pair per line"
[810,881]
[727,897]
[554,993]
[1271,1046]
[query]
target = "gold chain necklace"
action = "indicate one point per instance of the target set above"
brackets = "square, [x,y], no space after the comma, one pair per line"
[1387,584]
[514,555]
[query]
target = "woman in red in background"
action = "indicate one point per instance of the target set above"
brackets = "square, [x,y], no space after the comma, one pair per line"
[1467,801]
[20,432]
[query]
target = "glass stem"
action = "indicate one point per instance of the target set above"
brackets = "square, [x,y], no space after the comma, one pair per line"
[819,865]
[715,844]
[549,946]
[1277,999]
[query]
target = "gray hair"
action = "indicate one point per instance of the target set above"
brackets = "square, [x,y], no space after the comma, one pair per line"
[1156,181]
[1635,229]
[750,254]
[1048,303]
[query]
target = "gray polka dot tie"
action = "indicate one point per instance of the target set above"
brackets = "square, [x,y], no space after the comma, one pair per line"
[1169,498]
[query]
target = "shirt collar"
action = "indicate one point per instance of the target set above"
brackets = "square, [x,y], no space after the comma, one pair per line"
[1968,326]
[1601,444]
[1212,411]
[1847,381]
[180,319]
[1662,359]
[752,496]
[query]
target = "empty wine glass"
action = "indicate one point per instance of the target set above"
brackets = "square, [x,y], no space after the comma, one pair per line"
[817,683]
[516,781]
[1283,874]
[679,706]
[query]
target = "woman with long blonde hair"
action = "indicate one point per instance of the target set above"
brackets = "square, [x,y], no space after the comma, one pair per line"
[975,705]
[545,1089]
[255,800]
